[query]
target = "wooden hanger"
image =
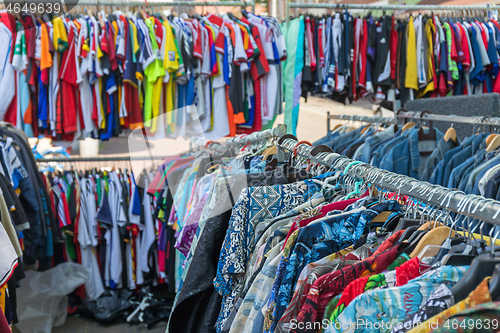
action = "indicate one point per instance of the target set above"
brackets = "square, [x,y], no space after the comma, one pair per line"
[490,138]
[409,125]
[237,13]
[450,134]
[269,151]
[365,129]
[382,217]
[143,14]
[434,237]
[430,225]
[494,144]
[336,127]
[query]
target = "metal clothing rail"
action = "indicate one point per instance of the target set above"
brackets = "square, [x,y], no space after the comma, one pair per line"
[241,140]
[473,206]
[100,159]
[478,120]
[290,4]
[400,115]
[364,119]
[153,3]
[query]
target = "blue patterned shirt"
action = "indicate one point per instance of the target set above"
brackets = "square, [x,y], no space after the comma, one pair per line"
[255,205]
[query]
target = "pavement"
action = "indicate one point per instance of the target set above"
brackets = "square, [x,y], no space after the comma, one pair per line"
[83,325]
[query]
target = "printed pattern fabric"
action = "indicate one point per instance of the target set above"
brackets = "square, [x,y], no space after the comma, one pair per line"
[308,275]
[478,296]
[255,205]
[329,286]
[484,318]
[390,306]
[439,301]
[316,241]
[377,281]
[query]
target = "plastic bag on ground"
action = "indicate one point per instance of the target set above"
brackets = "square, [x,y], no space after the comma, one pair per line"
[42,302]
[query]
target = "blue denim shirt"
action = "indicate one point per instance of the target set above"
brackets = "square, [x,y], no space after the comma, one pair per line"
[343,140]
[404,158]
[328,139]
[456,164]
[437,175]
[492,186]
[473,184]
[348,151]
[464,182]
[449,156]
[381,151]
[437,156]
[374,140]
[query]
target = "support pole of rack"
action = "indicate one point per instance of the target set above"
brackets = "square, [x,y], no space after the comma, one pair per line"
[287,13]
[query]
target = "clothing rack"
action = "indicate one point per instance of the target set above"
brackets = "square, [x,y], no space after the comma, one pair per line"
[268,134]
[491,121]
[72,3]
[364,119]
[472,206]
[403,114]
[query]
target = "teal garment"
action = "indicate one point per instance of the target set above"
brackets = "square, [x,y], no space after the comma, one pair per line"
[292,77]
[387,307]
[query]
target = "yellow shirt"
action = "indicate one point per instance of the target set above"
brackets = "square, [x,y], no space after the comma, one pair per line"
[171,60]
[429,29]
[171,64]
[154,73]
[60,38]
[411,77]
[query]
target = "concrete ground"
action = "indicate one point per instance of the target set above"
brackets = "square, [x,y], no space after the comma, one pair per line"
[82,325]
[311,127]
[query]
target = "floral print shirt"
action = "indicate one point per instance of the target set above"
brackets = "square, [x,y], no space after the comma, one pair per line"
[312,272]
[387,307]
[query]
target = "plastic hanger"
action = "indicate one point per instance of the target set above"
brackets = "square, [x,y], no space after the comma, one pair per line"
[481,266]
